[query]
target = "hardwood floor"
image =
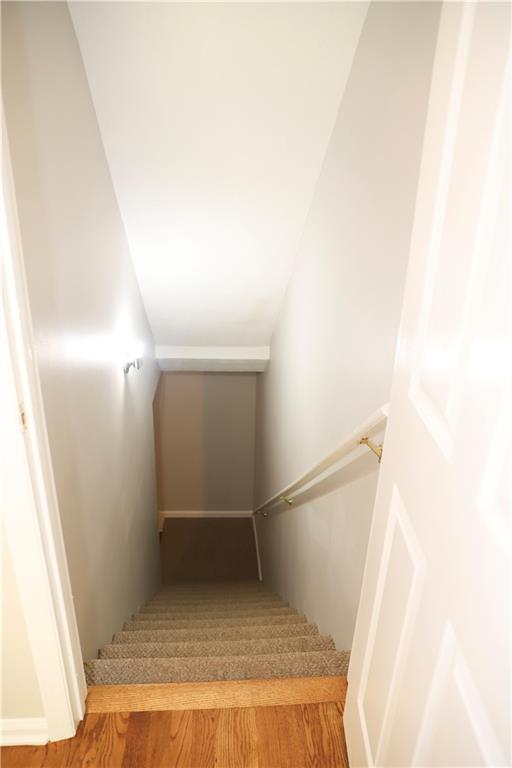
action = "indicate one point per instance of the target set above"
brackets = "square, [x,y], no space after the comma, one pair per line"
[213,550]
[298,736]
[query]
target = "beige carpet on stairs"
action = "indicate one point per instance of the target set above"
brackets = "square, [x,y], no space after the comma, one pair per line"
[215,631]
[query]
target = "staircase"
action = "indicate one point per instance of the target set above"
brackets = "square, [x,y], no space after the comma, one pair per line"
[215,631]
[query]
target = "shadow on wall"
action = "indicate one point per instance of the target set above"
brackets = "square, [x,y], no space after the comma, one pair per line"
[204,435]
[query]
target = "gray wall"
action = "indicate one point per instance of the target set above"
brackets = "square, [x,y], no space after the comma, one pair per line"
[333,350]
[204,426]
[86,310]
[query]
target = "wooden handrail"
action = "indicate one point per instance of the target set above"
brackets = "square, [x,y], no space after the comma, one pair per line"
[362,435]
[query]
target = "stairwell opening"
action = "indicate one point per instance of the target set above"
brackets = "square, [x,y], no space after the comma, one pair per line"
[212,619]
[204,426]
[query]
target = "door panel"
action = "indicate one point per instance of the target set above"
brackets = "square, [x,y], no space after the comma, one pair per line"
[429,680]
[400,581]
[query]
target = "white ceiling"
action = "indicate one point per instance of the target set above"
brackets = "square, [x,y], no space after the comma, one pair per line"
[215,120]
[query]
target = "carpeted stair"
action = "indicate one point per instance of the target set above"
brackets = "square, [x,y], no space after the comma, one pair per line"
[202,632]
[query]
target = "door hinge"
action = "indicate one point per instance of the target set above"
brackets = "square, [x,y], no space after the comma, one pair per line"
[23,417]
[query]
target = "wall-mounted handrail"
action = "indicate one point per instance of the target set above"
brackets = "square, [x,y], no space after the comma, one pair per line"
[361,435]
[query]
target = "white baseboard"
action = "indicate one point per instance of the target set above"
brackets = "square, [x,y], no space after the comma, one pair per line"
[23,731]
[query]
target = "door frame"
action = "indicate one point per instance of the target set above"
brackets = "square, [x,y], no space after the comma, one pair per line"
[30,509]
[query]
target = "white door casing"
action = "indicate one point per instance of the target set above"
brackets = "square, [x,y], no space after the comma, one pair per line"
[430,674]
[28,500]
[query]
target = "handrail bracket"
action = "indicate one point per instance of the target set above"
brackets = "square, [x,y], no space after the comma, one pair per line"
[377,449]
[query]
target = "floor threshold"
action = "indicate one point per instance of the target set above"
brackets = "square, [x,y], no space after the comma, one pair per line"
[222,694]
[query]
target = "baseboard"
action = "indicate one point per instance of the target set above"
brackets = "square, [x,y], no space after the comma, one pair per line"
[23,731]
[222,694]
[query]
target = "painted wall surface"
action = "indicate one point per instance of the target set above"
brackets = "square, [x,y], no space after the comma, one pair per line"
[204,427]
[314,554]
[20,696]
[333,349]
[87,312]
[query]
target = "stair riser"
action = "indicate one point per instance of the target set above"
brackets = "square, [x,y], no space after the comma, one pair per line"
[200,593]
[219,633]
[198,624]
[204,633]
[205,606]
[227,648]
[141,671]
[208,615]
[203,589]
[259,594]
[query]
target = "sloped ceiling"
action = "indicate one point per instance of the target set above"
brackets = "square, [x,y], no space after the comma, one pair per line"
[215,120]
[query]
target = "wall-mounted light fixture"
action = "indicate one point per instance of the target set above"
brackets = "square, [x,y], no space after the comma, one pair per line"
[136,363]
[133,357]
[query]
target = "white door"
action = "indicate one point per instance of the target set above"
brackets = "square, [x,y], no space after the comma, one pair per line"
[430,675]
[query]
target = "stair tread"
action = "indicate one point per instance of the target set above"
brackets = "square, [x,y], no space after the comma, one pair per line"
[215,589]
[207,632]
[191,623]
[193,594]
[232,613]
[213,605]
[265,666]
[216,633]
[256,647]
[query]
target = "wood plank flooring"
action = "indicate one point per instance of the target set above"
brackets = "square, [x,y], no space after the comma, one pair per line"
[298,736]
[212,550]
